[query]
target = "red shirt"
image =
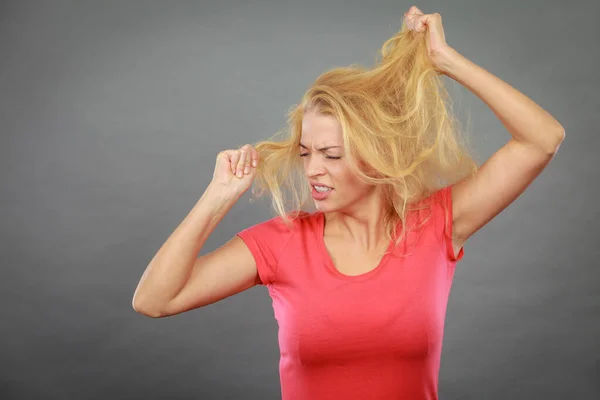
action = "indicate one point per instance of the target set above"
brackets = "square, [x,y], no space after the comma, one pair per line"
[372,336]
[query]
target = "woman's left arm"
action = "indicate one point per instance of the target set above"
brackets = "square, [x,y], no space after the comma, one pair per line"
[536,137]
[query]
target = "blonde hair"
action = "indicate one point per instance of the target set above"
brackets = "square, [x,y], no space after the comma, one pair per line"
[397,127]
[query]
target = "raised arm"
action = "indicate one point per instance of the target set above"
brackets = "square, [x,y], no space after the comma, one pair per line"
[176,280]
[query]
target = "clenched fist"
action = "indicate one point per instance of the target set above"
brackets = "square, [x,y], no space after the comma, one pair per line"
[235,169]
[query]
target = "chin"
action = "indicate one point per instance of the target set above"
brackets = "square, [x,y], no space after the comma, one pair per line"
[324,206]
[327,206]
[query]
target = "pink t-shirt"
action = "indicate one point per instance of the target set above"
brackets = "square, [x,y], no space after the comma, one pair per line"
[372,336]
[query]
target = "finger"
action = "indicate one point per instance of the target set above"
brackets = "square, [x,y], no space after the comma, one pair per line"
[226,154]
[427,20]
[414,10]
[254,157]
[241,163]
[235,156]
[248,162]
[412,23]
[410,20]
[420,23]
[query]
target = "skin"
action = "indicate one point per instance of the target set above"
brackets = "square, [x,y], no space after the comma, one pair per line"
[354,210]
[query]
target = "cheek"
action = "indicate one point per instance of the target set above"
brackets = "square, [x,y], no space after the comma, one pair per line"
[344,175]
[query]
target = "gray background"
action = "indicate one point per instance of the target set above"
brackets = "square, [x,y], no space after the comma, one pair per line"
[112,114]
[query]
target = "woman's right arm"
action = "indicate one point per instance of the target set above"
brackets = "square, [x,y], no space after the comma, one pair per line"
[176,280]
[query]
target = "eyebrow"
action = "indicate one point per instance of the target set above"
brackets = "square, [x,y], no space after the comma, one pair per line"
[321,149]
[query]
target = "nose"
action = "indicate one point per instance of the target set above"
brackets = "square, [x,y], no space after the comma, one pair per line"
[313,166]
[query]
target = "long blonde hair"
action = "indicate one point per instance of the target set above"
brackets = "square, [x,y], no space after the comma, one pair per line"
[398,131]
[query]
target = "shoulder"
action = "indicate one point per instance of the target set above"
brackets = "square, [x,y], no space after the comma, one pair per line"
[268,240]
[432,204]
[277,232]
[436,198]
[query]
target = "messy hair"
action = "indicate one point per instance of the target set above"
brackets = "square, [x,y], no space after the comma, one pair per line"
[397,126]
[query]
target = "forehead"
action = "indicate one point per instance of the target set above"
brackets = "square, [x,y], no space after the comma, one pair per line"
[321,128]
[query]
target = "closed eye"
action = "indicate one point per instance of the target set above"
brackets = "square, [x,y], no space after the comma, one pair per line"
[331,157]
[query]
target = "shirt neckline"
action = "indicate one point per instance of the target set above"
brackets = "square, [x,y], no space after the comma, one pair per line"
[320,233]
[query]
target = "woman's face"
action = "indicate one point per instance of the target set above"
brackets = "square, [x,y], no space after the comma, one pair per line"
[322,151]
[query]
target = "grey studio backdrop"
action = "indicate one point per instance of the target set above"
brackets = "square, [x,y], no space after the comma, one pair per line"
[112,113]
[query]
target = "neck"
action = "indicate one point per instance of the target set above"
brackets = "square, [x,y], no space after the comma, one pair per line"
[361,224]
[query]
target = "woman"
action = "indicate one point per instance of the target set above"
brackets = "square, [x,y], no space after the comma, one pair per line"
[360,286]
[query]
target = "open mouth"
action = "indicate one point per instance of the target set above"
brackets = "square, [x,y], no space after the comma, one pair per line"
[321,189]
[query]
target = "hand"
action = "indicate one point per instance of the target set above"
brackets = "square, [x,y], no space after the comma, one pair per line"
[431,24]
[235,170]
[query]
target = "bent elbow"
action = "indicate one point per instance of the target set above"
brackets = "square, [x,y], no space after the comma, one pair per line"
[560,137]
[145,310]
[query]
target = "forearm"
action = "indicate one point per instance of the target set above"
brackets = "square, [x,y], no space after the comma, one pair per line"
[170,268]
[525,120]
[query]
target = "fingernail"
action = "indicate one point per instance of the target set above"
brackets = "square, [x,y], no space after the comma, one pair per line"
[239,174]
[254,163]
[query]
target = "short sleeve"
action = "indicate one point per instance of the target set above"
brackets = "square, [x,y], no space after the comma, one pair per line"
[267,241]
[444,202]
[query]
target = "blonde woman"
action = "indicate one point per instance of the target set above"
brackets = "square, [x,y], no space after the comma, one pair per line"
[360,284]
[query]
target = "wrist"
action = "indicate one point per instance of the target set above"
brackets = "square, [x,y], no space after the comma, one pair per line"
[220,193]
[447,59]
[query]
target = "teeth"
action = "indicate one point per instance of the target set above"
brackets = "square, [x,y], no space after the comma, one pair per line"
[322,188]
